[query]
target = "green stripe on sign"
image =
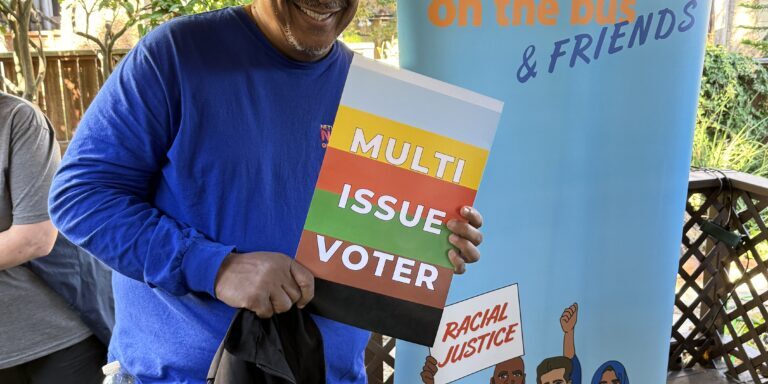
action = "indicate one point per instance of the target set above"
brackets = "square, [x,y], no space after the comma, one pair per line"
[325,217]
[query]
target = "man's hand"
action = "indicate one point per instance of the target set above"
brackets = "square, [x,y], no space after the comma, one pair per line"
[465,237]
[264,282]
[429,371]
[569,318]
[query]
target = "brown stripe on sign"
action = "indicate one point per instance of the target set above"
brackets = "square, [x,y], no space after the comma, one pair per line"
[386,315]
[365,268]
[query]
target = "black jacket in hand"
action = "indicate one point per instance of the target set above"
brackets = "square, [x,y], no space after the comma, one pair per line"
[288,348]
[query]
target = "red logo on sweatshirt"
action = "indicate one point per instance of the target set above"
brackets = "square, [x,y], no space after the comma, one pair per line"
[325,134]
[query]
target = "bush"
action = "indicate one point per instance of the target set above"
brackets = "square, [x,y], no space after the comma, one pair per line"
[732,121]
[746,82]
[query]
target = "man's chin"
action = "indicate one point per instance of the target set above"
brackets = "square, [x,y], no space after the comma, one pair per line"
[310,49]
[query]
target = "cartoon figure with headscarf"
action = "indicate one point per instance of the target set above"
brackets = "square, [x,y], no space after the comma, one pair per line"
[611,372]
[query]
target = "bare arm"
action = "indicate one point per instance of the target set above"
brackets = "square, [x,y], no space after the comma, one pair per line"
[21,243]
[568,323]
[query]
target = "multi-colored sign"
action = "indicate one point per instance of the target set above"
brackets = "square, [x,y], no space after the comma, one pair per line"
[406,154]
[478,333]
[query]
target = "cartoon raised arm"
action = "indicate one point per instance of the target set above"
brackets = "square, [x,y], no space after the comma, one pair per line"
[429,371]
[568,323]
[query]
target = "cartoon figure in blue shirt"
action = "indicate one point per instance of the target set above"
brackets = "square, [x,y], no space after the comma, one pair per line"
[564,369]
[611,372]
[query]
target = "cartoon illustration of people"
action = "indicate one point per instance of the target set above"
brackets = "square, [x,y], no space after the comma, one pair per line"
[565,369]
[511,371]
[555,370]
[611,372]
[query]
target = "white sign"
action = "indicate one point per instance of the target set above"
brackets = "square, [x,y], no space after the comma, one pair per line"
[478,333]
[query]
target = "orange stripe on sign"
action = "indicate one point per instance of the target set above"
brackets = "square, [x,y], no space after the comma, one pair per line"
[340,168]
[365,268]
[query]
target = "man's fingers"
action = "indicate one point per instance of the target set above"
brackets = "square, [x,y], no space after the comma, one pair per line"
[292,290]
[466,231]
[306,282]
[427,377]
[459,264]
[473,216]
[281,303]
[262,307]
[467,250]
[430,365]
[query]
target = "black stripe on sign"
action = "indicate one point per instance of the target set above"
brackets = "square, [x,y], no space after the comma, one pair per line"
[386,315]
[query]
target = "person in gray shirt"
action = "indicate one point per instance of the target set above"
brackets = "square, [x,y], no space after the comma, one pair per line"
[42,340]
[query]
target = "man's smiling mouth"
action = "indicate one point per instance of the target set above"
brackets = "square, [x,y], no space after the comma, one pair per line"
[317,15]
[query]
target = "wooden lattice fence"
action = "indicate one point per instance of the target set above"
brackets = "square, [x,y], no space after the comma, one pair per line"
[380,360]
[722,293]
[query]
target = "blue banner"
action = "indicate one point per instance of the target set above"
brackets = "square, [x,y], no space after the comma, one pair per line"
[585,188]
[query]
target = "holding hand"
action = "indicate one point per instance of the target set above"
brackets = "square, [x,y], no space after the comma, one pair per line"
[265,283]
[465,237]
[429,371]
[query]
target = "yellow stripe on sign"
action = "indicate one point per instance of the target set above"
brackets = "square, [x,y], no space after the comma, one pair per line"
[407,147]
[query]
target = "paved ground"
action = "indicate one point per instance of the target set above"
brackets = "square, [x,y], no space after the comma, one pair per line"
[698,376]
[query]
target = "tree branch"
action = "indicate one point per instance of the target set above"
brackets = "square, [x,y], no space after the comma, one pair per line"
[42,63]
[93,39]
[8,9]
[10,85]
[46,18]
[5,7]
[128,24]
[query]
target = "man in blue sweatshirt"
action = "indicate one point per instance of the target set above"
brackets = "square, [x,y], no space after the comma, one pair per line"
[191,175]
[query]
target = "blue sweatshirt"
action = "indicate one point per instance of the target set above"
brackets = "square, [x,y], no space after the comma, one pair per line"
[205,140]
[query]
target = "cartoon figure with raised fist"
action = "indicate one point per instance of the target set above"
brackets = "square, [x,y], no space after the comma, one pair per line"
[564,369]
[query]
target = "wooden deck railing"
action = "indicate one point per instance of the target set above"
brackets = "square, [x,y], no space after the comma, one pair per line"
[722,292]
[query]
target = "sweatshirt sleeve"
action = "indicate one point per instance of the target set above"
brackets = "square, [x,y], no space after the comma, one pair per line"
[101,196]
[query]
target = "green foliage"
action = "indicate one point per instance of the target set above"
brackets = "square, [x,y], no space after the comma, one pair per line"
[726,150]
[160,11]
[375,21]
[732,121]
[761,45]
[745,83]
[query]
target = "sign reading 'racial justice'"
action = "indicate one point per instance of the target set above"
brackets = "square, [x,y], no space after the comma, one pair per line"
[477,333]
[406,154]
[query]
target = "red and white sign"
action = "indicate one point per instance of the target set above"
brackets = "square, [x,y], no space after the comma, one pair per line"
[478,333]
